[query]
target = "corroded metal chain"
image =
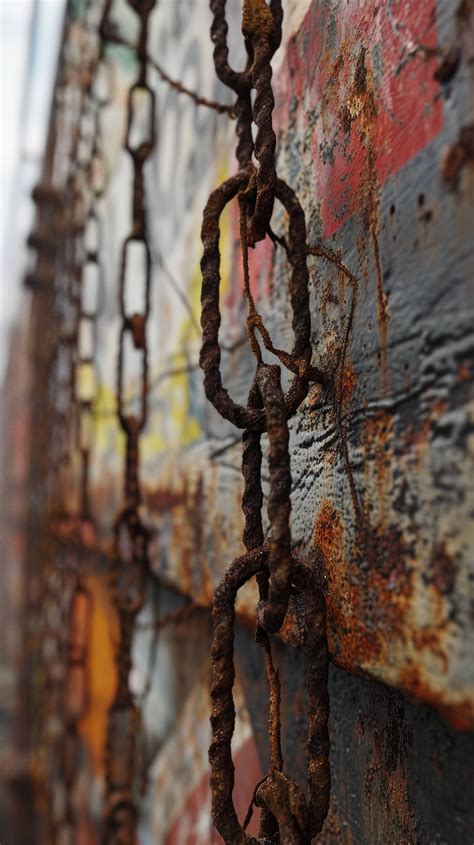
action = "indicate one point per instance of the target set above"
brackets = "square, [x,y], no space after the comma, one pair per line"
[75,392]
[286,817]
[287,811]
[84,385]
[65,659]
[57,281]
[130,546]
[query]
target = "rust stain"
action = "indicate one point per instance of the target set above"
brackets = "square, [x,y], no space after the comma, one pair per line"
[442,570]
[370,589]
[459,156]
[464,372]
[361,108]
[428,639]
[349,381]
[163,499]
[386,782]
[335,829]
[460,715]
[416,438]
[328,297]
[378,435]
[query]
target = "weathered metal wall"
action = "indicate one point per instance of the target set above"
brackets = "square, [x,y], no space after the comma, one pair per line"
[375,134]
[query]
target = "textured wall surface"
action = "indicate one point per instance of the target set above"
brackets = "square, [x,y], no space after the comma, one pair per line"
[376,135]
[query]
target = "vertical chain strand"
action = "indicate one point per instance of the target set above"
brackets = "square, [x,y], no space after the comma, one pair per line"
[129,566]
[286,815]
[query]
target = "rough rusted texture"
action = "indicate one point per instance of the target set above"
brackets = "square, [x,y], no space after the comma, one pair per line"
[274,609]
[263,33]
[277,792]
[239,82]
[261,27]
[252,496]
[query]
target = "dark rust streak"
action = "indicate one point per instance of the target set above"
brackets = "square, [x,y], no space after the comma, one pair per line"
[459,156]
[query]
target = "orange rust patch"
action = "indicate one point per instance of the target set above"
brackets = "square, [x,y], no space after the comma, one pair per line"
[460,715]
[349,381]
[328,297]
[442,570]
[362,110]
[428,639]
[368,594]
[464,372]
[349,642]
[377,438]
[418,438]
[329,532]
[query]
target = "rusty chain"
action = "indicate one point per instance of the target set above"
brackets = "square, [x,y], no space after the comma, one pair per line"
[69,530]
[130,545]
[286,815]
[44,618]
[86,300]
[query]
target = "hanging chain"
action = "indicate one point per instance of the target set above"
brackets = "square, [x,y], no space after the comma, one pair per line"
[67,600]
[286,817]
[86,297]
[130,552]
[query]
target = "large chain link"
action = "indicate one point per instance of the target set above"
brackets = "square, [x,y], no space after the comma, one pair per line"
[287,816]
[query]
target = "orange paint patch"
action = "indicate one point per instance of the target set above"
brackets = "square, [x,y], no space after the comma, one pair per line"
[101,671]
